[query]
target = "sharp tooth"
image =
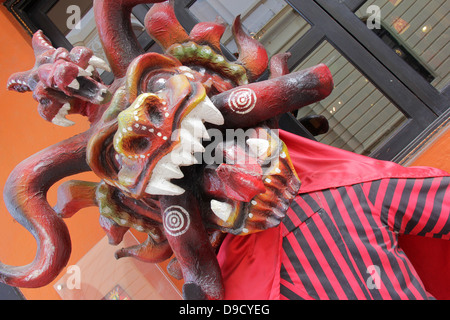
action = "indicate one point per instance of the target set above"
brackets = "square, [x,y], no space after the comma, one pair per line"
[222,210]
[74,85]
[183,158]
[164,188]
[62,122]
[99,63]
[190,143]
[83,73]
[258,146]
[172,171]
[60,119]
[196,127]
[90,69]
[208,112]
[66,107]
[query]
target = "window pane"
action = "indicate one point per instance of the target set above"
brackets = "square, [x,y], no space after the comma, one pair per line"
[273,22]
[418,31]
[360,116]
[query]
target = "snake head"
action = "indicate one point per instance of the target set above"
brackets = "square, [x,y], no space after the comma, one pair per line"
[63,82]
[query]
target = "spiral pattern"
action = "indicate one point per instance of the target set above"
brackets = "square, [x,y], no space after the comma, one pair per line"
[242,100]
[176,220]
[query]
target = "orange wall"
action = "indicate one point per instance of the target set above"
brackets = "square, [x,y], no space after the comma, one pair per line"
[436,154]
[23,133]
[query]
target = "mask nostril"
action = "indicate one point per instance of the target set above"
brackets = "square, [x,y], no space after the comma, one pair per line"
[155,115]
[138,145]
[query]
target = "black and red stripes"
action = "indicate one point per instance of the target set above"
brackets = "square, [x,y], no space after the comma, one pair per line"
[342,243]
[413,206]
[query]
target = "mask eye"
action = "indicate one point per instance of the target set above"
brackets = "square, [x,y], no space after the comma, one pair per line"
[155,81]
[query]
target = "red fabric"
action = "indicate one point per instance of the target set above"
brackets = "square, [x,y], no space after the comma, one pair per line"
[431,259]
[320,166]
[242,255]
[251,264]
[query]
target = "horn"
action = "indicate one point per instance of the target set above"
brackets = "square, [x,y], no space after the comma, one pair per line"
[209,33]
[278,65]
[113,18]
[162,25]
[188,238]
[252,54]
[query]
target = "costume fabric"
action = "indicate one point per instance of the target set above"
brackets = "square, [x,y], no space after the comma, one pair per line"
[339,239]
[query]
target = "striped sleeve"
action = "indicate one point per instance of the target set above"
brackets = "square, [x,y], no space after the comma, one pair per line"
[413,206]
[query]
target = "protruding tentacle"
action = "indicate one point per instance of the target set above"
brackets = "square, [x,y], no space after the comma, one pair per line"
[116,32]
[75,195]
[188,238]
[25,197]
[148,251]
[162,25]
[114,231]
[216,238]
[252,54]
[251,104]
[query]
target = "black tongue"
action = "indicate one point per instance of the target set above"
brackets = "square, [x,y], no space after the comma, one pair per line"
[92,91]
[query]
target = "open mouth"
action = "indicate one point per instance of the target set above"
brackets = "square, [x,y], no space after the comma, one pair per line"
[190,135]
[160,132]
[85,86]
[162,129]
[255,194]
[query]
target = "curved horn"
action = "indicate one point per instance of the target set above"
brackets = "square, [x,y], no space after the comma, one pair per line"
[162,25]
[209,33]
[252,54]
[25,197]
[116,33]
[279,65]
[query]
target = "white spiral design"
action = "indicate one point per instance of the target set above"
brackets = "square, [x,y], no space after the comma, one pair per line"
[176,220]
[242,100]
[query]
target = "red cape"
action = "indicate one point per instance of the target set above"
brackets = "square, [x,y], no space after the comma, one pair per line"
[322,167]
